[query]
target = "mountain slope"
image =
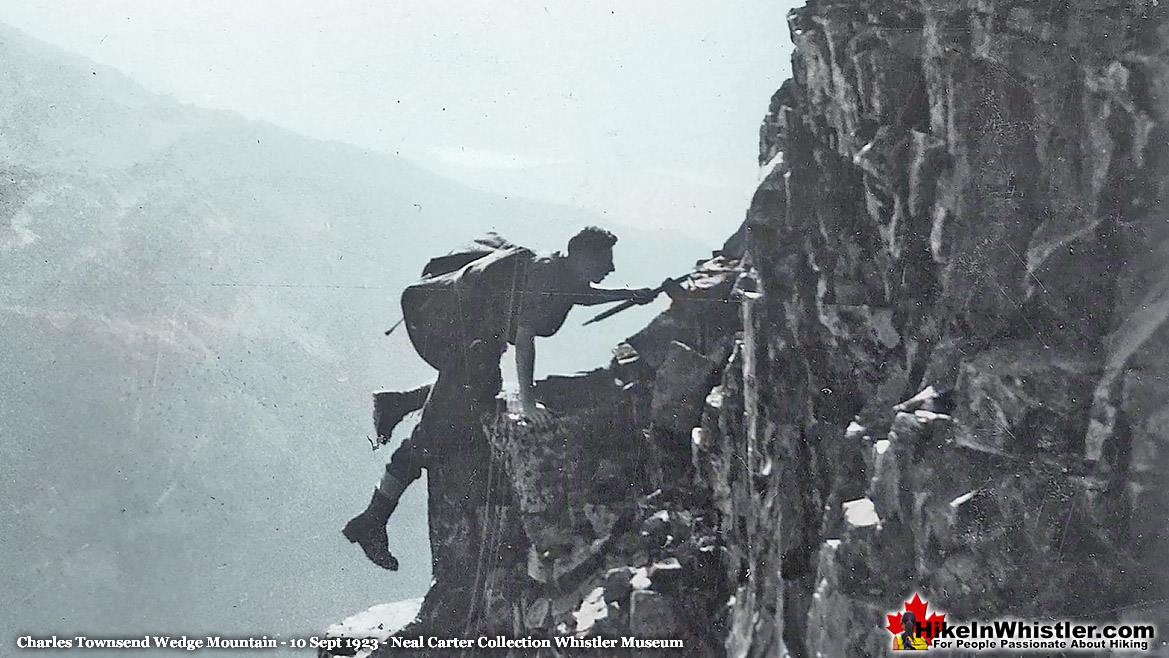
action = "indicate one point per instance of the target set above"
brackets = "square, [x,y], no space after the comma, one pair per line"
[191,307]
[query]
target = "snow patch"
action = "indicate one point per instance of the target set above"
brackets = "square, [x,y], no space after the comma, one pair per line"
[592,610]
[861,513]
[715,398]
[380,621]
[774,162]
[957,502]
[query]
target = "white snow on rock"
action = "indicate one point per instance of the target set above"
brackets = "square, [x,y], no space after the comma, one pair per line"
[929,416]
[861,513]
[917,401]
[963,499]
[592,609]
[640,579]
[714,399]
[379,621]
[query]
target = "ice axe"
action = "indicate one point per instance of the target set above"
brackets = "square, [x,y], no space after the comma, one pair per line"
[396,325]
[624,306]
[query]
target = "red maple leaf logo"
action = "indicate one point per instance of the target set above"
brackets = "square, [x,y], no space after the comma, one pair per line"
[918,608]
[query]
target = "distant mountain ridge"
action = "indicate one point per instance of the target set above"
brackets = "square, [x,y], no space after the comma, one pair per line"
[191,307]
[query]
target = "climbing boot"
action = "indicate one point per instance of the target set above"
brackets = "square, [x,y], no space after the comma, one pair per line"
[390,407]
[368,529]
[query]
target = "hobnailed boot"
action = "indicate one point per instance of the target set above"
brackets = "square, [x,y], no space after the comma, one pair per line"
[368,529]
[391,407]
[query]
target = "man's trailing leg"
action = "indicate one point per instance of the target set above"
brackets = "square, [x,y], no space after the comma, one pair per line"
[368,529]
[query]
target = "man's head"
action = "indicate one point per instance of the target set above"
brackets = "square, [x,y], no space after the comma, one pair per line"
[590,253]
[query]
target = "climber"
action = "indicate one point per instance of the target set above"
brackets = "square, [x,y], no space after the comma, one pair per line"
[461,317]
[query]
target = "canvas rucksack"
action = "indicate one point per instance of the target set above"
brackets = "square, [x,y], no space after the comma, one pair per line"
[455,303]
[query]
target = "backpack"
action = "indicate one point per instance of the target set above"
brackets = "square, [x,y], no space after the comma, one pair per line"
[460,258]
[455,302]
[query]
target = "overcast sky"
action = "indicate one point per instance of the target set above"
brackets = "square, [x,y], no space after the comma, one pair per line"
[646,111]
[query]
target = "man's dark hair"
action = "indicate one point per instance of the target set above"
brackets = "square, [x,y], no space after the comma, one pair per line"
[591,239]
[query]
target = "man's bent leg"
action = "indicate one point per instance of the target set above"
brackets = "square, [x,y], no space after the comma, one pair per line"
[450,414]
[405,466]
[368,529]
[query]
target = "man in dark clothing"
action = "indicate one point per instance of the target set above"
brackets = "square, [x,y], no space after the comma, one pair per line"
[461,322]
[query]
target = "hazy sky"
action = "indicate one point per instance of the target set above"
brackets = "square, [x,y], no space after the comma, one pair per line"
[647,111]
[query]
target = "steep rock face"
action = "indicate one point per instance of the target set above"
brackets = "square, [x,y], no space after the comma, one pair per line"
[964,195]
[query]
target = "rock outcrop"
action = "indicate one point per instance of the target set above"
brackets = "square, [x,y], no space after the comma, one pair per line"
[965,196]
[935,359]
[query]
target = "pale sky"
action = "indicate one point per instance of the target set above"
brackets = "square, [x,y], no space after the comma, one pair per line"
[645,111]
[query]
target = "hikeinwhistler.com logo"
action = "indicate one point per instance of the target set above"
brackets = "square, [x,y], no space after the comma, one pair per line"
[916,627]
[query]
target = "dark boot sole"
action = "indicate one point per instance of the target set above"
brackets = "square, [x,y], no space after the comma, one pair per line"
[352,535]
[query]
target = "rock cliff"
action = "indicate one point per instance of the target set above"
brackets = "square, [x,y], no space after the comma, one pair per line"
[965,196]
[935,359]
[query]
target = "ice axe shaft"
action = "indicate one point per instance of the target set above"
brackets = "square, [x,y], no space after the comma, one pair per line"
[624,306]
[396,325]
